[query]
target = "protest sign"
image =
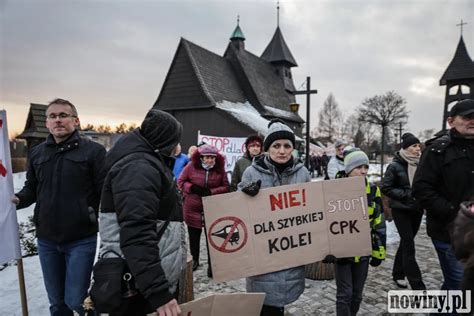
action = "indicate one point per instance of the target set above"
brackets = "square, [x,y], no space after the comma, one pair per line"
[9,239]
[239,304]
[286,226]
[232,148]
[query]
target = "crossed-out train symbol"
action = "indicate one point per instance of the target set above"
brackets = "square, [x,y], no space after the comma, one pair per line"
[224,233]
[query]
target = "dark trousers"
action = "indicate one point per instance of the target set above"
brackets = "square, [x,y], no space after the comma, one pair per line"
[268,310]
[450,266]
[405,265]
[350,280]
[194,242]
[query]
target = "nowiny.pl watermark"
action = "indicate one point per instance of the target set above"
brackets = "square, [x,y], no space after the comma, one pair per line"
[429,301]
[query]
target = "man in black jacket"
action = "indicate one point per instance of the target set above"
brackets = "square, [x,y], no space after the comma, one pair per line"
[141,214]
[444,179]
[64,178]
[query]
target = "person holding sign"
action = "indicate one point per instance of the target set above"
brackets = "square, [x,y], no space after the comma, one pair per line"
[277,167]
[204,176]
[351,273]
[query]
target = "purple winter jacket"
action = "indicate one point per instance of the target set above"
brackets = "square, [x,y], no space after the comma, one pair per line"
[194,173]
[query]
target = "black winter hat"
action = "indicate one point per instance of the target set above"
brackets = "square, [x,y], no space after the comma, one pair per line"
[162,131]
[409,139]
[277,129]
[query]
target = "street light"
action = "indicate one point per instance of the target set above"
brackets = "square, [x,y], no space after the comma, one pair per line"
[294,108]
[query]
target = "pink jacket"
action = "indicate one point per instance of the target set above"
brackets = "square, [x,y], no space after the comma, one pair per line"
[194,173]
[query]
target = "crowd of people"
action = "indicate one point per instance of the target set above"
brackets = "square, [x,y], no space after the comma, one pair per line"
[145,193]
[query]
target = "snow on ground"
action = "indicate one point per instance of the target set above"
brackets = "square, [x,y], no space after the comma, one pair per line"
[36,293]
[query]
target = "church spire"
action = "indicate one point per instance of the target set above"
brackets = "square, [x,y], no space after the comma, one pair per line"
[278,52]
[461,66]
[237,34]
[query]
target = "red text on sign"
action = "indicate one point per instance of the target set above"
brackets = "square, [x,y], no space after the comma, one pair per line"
[288,199]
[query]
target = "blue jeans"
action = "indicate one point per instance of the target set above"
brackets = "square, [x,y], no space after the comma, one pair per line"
[67,271]
[450,266]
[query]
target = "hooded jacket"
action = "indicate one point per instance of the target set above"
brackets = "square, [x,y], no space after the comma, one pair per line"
[285,286]
[65,181]
[214,179]
[138,199]
[396,185]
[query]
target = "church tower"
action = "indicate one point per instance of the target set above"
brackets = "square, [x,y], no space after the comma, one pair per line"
[458,78]
[279,55]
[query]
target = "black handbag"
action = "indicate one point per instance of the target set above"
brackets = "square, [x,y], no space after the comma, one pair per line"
[112,283]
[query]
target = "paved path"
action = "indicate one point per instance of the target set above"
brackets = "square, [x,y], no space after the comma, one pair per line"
[319,297]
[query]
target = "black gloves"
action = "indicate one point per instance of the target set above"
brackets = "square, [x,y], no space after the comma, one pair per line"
[375,262]
[252,188]
[329,259]
[199,190]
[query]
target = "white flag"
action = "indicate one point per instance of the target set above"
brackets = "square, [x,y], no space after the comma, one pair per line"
[9,239]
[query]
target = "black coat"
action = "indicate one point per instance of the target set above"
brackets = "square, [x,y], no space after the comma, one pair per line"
[140,189]
[444,179]
[396,185]
[65,180]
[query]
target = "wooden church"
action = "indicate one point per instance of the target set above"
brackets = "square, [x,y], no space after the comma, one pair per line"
[233,95]
[458,78]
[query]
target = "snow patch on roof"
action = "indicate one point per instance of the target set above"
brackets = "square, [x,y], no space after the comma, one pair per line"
[248,115]
[281,113]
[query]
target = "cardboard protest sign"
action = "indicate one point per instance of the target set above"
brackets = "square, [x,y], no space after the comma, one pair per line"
[241,304]
[286,226]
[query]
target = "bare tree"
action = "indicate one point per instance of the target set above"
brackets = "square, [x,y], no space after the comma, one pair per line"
[361,133]
[89,127]
[383,111]
[426,134]
[106,129]
[132,127]
[329,118]
[121,129]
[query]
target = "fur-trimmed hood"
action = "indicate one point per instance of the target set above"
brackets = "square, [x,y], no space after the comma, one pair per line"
[196,158]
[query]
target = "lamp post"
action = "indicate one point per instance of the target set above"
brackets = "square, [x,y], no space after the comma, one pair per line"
[294,108]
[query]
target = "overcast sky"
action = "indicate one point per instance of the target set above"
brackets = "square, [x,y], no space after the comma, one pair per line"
[110,58]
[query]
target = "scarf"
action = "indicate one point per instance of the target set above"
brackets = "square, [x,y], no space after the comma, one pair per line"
[280,167]
[206,166]
[412,161]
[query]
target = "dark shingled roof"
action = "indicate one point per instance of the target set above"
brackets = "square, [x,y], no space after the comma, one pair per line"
[277,51]
[461,66]
[266,85]
[36,122]
[198,78]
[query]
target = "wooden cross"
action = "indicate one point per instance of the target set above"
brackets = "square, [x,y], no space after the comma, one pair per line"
[461,25]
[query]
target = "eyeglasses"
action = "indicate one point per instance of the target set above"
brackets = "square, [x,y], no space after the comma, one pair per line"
[61,116]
